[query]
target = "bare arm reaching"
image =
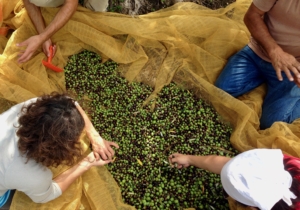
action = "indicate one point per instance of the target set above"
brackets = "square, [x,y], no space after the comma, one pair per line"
[281,60]
[101,147]
[212,163]
[35,15]
[44,33]
[65,179]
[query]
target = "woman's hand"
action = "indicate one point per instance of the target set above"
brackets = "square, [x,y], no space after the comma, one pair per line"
[101,147]
[179,160]
[90,161]
[65,179]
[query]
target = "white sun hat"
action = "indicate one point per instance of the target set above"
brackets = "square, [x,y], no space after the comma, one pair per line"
[257,178]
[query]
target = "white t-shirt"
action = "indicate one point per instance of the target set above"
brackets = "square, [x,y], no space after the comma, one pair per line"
[32,178]
[257,178]
[94,5]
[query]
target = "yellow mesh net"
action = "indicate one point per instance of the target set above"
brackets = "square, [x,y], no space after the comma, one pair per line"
[186,43]
[94,190]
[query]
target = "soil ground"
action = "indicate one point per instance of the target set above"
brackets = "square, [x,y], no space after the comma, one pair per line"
[139,7]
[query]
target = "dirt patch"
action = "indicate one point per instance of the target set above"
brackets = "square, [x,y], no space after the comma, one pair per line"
[139,7]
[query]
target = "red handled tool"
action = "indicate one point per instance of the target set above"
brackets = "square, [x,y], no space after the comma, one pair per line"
[48,63]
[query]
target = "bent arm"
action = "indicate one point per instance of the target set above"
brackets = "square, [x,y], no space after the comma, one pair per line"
[35,15]
[281,60]
[88,124]
[60,19]
[212,163]
[101,147]
[65,179]
[31,44]
[254,21]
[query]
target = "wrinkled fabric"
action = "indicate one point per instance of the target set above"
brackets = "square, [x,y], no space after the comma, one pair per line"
[187,43]
[245,71]
[14,168]
[257,178]
[94,190]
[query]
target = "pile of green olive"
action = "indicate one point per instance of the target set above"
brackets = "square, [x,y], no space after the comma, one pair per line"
[176,121]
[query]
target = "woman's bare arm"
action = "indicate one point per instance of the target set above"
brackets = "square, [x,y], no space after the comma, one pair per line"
[65,179]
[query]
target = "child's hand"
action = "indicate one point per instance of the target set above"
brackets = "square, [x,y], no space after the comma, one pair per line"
[179,160]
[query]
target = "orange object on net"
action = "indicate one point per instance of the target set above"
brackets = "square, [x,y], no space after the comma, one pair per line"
[3,30]
[48,63]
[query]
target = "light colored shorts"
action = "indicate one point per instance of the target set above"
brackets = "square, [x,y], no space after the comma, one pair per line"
[94,5]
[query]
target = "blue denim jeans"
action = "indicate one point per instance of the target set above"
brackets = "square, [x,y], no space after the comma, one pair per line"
[4,198]
[245,71]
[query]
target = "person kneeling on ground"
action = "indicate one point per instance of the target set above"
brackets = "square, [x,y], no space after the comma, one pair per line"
[44,132]
[43,38]
[259,178]
[272,57]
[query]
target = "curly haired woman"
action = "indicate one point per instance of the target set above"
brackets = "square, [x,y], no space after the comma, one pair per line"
[260,178]
[44,132]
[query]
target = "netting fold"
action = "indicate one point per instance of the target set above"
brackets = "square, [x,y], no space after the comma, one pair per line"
[186,43]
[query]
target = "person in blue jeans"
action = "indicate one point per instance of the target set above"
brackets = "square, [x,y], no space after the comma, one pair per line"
[272,57]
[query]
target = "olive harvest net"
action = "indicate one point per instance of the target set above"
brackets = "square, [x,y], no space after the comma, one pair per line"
[186,43]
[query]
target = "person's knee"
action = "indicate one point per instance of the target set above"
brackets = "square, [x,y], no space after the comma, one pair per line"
[271,114]
[268,122]
[223,85]
[281,104]
[279,115]
[265,123]
[230,87]
[240,75]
